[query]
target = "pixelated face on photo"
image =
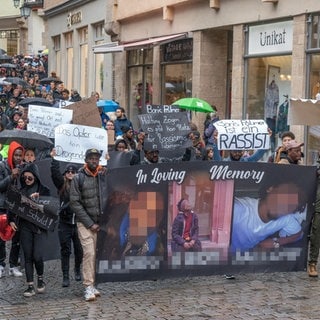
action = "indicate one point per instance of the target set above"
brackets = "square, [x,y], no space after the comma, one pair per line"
[282,200]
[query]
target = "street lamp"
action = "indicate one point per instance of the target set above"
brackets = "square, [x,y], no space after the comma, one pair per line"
[25,11]
[16,3]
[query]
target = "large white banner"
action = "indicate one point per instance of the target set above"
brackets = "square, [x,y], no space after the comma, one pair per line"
[242,134]
[72,141]
[43,120]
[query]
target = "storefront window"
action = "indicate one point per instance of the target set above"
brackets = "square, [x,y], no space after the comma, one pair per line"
[140,82]
[99,58]
[176,70]
[314,85]
[83,39]
[268,93]
[57,50]
[69,48]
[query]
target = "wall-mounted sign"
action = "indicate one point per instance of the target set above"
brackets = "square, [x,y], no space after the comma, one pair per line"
[178,50]
[74,18]
[270,38]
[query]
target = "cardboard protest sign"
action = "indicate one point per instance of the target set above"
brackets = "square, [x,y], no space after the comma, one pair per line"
[72,141]
[43,214]
[85,112]
[304,112]
[43,120]
[242,134]
[166,129]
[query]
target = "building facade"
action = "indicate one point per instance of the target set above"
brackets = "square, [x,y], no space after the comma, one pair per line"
[238,48]
[21,35]
[72,29]
[239,55]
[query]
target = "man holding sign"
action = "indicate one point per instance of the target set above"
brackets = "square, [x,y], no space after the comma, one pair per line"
[240,135]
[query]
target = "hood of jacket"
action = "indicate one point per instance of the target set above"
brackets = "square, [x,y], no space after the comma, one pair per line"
[12,148]
[33,168]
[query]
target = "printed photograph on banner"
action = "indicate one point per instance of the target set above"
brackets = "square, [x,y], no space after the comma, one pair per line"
[72,141]
[271,215]
[199,221]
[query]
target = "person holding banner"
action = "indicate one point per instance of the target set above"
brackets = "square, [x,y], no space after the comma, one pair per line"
[315,235]
[271,221]
[32,237]
[9,173]
[67,228]
[86,201]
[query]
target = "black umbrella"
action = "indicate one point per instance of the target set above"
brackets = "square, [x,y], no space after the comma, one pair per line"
[8,65]
[45,81]
[18,81]
[26,138]
[4,57]
[36,101]
[2,51]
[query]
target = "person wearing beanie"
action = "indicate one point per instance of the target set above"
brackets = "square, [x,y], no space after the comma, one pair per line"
[85,201]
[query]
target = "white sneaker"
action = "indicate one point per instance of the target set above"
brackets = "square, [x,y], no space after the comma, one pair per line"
[89,294]
[96,292]
[15,272]
[1,271]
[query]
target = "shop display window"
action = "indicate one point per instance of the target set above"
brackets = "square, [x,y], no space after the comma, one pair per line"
[268,93]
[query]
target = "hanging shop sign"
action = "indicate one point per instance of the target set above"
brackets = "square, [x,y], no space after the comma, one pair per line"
[270,38]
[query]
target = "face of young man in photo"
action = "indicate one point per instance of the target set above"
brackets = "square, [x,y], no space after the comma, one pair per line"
[282,200]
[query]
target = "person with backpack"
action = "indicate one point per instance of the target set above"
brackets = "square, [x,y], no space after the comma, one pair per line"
[87,196]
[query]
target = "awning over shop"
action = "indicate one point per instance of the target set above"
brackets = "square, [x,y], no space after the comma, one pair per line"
[119,47]
[304,112]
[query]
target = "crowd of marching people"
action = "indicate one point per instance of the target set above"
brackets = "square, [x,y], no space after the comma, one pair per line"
[78,224]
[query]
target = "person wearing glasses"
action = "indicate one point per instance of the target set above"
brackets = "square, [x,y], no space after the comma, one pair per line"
[32,237]
[67,228]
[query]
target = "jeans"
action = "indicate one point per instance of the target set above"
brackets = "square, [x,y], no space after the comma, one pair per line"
[69,233]
[32,245]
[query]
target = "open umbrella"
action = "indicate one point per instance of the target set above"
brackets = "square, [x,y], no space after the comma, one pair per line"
[35,101]
[193,104]
[26,138]
[45,81]
[4,83]
[4,58]
[8,65]
[17,81]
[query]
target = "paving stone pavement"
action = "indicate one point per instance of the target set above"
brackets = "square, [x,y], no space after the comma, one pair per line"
[259,296]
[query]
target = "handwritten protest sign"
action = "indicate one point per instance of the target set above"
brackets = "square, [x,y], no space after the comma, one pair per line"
[43,214]
[242,134]
[85,112]
[72,141]
[43,120]
[166,129]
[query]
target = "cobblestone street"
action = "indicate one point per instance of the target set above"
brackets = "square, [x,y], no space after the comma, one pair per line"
[250,296]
